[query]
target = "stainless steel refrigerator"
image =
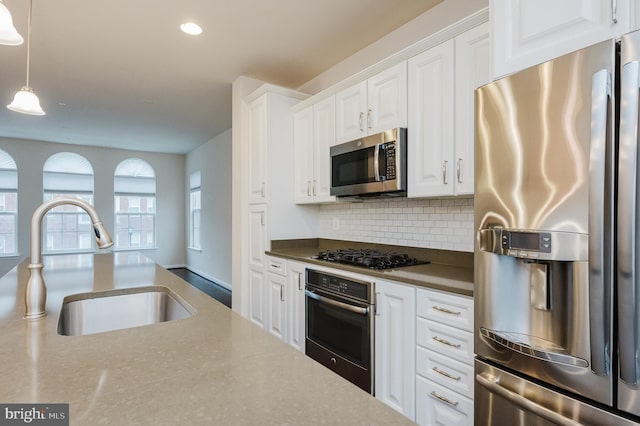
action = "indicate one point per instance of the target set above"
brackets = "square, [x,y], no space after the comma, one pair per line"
[557,258]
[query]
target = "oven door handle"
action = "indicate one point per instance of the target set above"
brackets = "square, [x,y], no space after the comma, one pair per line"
[351,308]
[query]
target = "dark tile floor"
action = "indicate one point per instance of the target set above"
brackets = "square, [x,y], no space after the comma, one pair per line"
[214,290]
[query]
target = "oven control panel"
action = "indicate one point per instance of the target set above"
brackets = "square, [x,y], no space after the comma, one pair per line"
[355,289]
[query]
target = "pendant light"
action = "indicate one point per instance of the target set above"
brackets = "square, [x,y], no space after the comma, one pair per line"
[25,101]
[8,33]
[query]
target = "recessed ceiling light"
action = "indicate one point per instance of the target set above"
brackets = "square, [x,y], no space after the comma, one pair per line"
[191,28]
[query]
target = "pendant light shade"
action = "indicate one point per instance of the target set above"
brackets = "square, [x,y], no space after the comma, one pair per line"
[8,33]
[25,101]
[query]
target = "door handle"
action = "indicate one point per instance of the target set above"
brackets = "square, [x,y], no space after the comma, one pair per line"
[627,232]
[493,386]
[600,187]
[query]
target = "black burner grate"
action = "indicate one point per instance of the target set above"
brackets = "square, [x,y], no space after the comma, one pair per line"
[367,258]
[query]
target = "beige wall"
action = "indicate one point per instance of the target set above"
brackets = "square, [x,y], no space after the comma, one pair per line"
[430,22]
[212,160]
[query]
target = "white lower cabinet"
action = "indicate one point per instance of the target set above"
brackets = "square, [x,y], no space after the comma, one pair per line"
[296,305]
[257,298]
[277,306]
[395,346]
[437,405]
[444,358]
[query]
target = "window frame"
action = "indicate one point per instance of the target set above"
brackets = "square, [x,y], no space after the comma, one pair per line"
[192,212]
[139,213]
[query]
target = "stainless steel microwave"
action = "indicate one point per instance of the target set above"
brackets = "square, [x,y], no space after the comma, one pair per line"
[370,166]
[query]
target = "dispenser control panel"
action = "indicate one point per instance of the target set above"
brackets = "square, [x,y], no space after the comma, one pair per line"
[525,244]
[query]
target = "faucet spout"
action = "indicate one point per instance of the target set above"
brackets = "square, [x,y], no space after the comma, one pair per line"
[36,291]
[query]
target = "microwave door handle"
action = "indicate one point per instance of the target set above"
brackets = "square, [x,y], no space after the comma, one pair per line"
[376,162]
[598,263]
[627,232]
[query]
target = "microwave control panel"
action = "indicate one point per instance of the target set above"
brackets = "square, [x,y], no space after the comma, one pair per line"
[389,149]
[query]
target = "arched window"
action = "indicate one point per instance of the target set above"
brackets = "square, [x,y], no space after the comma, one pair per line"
[135,204]
[68,228]
[8,205]
[195,210]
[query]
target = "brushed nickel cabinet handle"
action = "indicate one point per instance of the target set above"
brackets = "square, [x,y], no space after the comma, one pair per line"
[308,188]
[445,310]
[369,119]
[360,120]
[445,374]
[444,172]
[445,342]
[459,170]
[614,11]
[443,399]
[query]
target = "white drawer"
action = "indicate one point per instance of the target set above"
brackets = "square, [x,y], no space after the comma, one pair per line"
[436,405]
[277,266]
[445,371]
[448,341]
[447,308]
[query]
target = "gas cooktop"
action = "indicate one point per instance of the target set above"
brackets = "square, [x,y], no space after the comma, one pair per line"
[372,259]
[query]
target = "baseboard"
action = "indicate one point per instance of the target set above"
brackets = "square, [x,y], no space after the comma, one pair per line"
[209,277]
[174,266]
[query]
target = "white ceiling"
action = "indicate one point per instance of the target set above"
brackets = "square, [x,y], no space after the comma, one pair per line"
[121,74]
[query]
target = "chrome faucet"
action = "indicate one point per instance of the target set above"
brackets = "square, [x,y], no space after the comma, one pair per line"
[36,293]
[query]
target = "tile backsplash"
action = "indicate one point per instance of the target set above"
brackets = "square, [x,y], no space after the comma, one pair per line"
[444,223]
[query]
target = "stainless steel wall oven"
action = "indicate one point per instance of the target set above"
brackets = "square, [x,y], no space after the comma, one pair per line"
[339,329]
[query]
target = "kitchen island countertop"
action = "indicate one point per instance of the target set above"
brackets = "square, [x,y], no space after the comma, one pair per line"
[213,368]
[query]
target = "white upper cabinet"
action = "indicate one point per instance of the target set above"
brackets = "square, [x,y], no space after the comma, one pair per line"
[257,135]
[472,63]
[314,134]
[372,106]
[430,133]
[526,32]
[303,155]
[442,80]
[324,136]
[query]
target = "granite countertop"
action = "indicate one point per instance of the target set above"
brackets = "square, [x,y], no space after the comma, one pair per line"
[213,368]
[455,276]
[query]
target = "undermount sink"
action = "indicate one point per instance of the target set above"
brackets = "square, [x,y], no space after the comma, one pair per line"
[90,313]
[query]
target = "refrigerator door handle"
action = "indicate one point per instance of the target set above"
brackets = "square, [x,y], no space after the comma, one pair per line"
[494,387]
[626,234]
[598,265]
